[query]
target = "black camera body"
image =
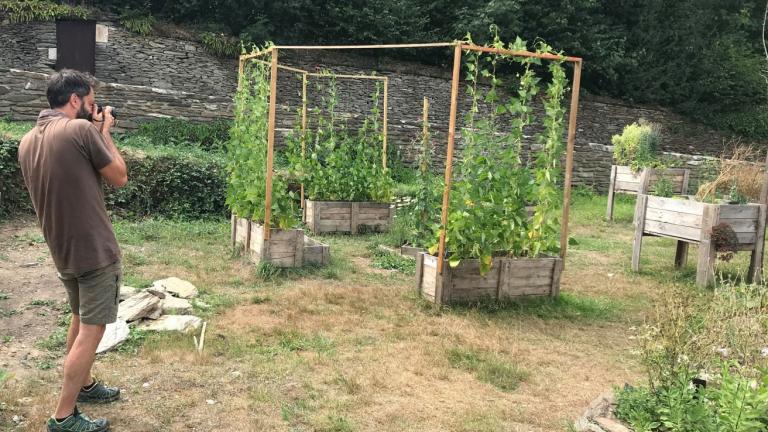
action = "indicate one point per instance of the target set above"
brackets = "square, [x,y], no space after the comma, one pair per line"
[101,109]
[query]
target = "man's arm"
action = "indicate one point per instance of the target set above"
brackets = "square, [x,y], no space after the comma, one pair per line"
[116,173]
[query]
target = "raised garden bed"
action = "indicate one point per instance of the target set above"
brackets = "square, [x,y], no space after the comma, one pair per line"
[624,180]
[284,248]
[702,224]
[347,217]
[508,278]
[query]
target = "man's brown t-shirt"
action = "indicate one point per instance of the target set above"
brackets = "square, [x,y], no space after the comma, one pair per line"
[60,159]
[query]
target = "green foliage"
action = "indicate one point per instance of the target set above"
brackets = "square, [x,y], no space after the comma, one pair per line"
[139,21]
[337,165]
[247,156]
[389,261]
[20,11]
[178,132]
[220,44]
[638,146]
[487,368]
[171,182]
[718,336]
[488,212]
[13,194]
[663,187]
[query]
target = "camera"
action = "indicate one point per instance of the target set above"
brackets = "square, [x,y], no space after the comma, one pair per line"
[101,109]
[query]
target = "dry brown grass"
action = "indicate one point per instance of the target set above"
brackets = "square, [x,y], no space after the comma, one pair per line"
[359,353]
[738,170]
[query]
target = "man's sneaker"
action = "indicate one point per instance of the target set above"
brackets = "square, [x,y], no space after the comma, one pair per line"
[99,393]
[78,422]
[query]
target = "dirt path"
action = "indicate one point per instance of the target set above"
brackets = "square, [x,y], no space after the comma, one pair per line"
[31,296]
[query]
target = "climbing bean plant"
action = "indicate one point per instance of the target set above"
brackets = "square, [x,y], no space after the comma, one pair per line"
[339,164]
[247,155]
[495,182]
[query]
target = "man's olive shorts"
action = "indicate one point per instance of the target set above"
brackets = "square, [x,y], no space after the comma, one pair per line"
[94,295]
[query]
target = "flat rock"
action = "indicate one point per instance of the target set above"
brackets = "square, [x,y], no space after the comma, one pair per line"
[127,291]
[138,306]
[181,323]
[602,406]
[610,425]
[176,306]
[114,335]
[175,286]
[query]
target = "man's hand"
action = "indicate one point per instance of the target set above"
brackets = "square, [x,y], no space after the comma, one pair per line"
[104,117]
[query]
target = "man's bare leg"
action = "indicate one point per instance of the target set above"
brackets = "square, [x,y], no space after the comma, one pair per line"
[77,365]
[74,328]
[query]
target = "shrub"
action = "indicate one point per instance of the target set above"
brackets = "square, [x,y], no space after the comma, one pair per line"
[704,354]
[172,183]
[139,21]
[638,145]
[40,10]
[13,195]
[173,131]
[162,181]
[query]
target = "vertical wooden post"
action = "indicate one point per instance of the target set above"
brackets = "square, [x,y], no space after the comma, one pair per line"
[681,254]
[270,144]
[557,271]
[569,157]
[354,215]
[756,260]
[611,186]
[385,124]
[641,206]
[449,160]
[645,181]
[686,180]
[234,229]
[240,70]
[705,268]
[303,127]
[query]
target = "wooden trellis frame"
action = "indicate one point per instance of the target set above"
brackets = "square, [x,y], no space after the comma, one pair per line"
[458,48]
[304,79]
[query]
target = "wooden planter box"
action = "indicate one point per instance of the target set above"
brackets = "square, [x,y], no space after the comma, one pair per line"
[508,278]
[347,217]
[691,222]
[624,180]
[285,248]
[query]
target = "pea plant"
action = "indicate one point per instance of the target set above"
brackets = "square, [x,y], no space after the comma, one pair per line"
[339,165]
[494,181]
[247,155]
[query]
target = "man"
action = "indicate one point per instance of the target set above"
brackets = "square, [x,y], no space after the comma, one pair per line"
[63,159]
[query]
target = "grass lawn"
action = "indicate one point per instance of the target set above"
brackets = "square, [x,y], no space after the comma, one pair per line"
[351,347]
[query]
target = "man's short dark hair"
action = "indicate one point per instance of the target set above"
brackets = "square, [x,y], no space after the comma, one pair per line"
[63,83]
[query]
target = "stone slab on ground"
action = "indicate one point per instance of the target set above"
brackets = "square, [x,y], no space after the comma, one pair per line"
[114,334]
[175,286]
[175,306]
[181,323]
[127,291]
[138,306]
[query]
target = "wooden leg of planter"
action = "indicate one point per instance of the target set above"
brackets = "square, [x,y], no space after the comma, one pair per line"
[556,272]
[681,254]
[354,215]
[611,186]
[419,272]
[705,269]
[640,208]
[756,262]
[234,230]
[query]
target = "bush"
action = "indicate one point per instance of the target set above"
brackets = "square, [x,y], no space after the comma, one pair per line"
[172,131]
[163,181]
[171,183]
[705,360]
[637,146]
[13,195]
